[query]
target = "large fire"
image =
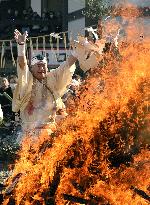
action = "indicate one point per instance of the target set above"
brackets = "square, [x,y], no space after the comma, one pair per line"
[99,154]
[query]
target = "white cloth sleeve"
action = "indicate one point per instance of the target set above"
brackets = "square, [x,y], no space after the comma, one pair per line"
[60,78]
[24,76]
[21,50]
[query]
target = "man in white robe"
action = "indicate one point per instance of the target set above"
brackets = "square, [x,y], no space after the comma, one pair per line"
[38,92]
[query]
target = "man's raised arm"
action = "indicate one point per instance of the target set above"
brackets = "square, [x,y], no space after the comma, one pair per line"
[20,93]
[21,40]
[63,74]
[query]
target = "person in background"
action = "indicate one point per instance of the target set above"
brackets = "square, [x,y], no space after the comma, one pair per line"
[13,82]
[72,89]
[74,86]
[76,80]
[6,96]
[58,22]
[52,25]
[36,23]
[24,15]
[29,12]
[9,14]
[16,15]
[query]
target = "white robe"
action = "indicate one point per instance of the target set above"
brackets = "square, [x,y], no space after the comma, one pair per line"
[57,80]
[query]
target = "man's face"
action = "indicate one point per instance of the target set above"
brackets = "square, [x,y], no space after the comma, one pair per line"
[39,70]
[5,83]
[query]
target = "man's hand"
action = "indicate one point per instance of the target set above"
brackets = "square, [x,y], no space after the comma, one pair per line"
[20,38]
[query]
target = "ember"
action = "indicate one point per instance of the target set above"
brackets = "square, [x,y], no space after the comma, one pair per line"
[100,153]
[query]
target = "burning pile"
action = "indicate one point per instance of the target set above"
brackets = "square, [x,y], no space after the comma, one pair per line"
[100,153]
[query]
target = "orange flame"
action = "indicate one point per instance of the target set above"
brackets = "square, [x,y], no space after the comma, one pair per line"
[103,125]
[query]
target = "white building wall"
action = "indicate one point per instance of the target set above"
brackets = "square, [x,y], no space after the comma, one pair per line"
[76,26]
[36,6]
[75,5]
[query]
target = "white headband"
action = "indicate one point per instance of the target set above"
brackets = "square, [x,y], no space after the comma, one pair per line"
[38,59]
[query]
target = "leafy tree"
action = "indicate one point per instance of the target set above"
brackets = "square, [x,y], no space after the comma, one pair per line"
[98,8]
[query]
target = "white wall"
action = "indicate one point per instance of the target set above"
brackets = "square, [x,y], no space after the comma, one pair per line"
[36,6]
[76,27]
[75,5]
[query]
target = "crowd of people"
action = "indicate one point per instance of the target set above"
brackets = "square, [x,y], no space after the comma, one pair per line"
[31,21]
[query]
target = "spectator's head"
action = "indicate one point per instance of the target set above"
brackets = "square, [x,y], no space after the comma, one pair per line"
[43,15]
[75,83]
[30,9]
[24,12]
[9,11]
[77,77]
[39,67]
[26,17]
[35,14]
[4,83]
[58,14]
[13,82]
[44,10]
[16,12]
[51,14]
[44,29]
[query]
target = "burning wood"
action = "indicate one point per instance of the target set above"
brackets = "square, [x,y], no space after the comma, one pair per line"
[75,199]
[11,201]
[140,164]
[10,188]
[49,195]
[141,193]
[78,187]
[94,200]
